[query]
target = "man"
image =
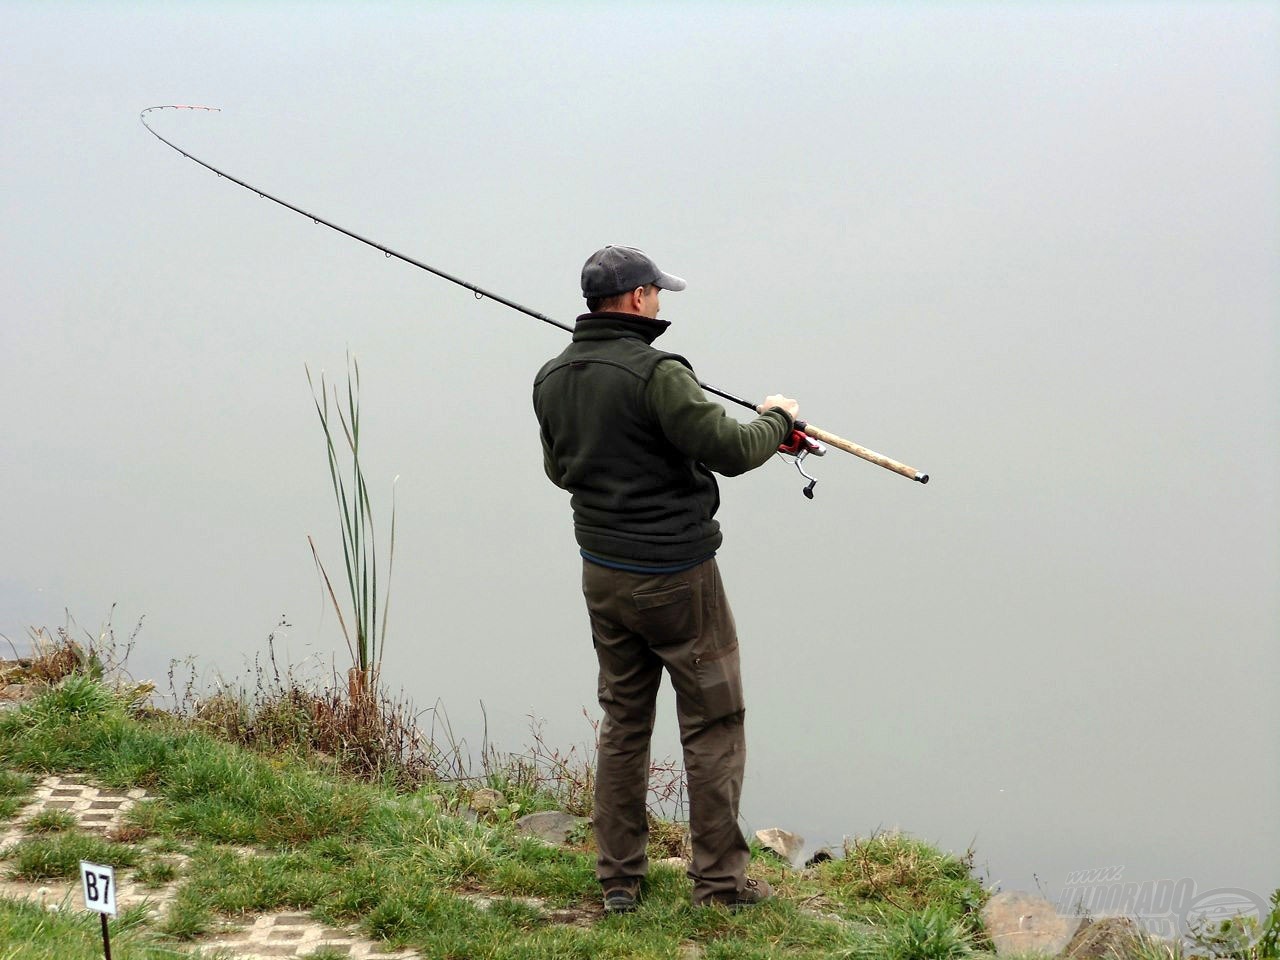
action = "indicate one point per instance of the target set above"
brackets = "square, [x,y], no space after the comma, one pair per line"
[629,433]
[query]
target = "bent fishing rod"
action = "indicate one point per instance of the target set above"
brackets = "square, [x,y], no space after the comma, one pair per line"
[818,434]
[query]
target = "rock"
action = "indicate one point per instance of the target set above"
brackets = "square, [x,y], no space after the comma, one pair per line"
[481,902]
[675,863]
[821,855]
[18,691]
[13,671]
[784,843]
[1021,923]
[486,800]
[550,825]
[1108,937]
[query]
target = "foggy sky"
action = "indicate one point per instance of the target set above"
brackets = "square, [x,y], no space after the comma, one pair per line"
[1030,249]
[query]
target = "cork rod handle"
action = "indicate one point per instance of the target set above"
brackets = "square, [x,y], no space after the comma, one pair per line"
[857,450]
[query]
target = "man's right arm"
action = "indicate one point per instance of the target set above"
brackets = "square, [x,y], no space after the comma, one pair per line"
[549,465]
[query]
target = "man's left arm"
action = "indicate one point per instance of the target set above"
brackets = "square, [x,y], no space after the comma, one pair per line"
[702,429]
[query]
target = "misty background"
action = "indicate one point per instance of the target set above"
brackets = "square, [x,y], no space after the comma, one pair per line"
[1030,249]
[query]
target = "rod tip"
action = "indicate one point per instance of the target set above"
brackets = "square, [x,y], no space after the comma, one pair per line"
[922,477]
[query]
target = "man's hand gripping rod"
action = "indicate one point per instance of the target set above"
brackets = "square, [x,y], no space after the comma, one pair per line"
[822,436]
[809,429]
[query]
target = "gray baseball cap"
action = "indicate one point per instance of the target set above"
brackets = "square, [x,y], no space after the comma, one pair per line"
[617,269]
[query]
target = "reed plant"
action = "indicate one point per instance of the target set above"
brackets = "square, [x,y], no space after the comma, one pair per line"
[341,425]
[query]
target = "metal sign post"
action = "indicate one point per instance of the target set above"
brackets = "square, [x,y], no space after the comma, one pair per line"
[99,885]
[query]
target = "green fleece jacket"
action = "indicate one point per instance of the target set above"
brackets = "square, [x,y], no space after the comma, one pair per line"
[629,433]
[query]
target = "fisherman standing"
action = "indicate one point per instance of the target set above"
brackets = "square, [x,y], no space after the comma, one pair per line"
[627,430]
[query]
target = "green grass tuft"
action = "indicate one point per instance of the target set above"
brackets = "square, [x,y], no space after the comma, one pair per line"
[895,874]
[29,932]
[77,694]
[188,915]
[156,872]
[213,789]
[50,821]
[15,792]
[928,935]
[57,857]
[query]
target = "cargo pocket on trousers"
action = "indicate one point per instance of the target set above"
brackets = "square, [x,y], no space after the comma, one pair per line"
[720,681]
[668,614]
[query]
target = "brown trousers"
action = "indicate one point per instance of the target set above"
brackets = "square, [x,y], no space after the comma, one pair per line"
[641,623]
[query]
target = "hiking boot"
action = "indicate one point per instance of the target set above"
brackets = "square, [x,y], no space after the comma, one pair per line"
[621,896]
[752,892]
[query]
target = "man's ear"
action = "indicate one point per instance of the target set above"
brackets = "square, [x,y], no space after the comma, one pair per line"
[637,299]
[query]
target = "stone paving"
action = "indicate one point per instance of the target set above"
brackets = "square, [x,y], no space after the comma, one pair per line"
[276,935]
[102,810]
[98,809]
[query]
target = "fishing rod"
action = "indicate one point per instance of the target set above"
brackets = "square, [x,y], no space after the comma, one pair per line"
[818,434]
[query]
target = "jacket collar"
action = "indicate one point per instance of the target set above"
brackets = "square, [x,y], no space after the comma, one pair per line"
[614,326]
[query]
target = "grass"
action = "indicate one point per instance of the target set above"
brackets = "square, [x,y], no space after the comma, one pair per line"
[50,821]
[350,812]
[899,872]
[57,857]
[404,869]
[28,932]
[277,830]
[15,792]
[156,872]
[372,736]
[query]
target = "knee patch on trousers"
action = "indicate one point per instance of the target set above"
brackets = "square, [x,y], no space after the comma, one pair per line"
[720,681]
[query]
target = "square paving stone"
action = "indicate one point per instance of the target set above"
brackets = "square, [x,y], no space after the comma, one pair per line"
[291,920]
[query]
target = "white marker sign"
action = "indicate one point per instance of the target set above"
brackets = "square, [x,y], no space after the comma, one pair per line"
[99,885]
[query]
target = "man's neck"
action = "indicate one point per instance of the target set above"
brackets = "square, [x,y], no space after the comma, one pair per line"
[649,329]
